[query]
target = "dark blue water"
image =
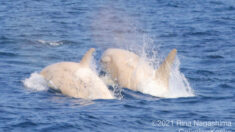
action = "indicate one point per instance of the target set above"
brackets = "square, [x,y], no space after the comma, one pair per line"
[36,33]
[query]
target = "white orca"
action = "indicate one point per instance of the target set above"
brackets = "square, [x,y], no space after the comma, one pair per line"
[77,79]
[129,71]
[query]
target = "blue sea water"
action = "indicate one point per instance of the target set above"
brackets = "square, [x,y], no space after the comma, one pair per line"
[36,33]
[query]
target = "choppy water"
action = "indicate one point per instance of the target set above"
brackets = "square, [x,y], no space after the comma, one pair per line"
[34,34]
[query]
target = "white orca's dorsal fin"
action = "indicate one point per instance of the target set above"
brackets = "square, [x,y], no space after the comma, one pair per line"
[163,72]
[86,60]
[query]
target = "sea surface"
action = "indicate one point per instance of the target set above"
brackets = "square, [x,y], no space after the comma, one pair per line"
[36,33]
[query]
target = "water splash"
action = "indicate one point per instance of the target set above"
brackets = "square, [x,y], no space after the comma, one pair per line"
[116,90]
[35,82]
[178,84]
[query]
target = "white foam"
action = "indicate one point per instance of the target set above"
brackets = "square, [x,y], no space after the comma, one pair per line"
[52,43]
[36,82]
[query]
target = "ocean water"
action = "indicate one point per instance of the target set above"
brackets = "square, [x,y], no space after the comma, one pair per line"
[36,33]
